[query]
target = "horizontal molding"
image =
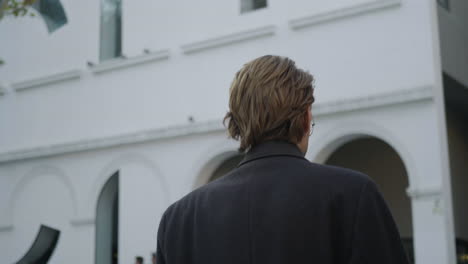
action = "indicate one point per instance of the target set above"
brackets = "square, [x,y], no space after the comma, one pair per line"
[82,221]
[46,80]
[428,192]
[120,63]
[228,39]
[398,97]
[100,143]
[379,100]
[355,10]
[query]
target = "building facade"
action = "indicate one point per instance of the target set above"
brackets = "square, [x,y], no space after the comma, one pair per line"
[113,117]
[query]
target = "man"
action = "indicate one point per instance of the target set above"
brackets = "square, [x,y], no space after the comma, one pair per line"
[277,207]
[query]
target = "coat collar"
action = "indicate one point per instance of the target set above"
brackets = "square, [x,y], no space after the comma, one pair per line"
[272,148]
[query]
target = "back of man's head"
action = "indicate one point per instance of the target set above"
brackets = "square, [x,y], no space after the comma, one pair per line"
[139,260]
[269,100]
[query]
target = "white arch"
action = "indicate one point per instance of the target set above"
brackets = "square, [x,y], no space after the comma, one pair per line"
[345,132]
[115,165]
[211,158]
[38,171]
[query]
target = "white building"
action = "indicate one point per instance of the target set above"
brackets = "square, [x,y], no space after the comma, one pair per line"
[97,145]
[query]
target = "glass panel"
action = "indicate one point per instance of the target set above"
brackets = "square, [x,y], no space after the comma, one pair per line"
[444,4]
[111,29]
[259,4]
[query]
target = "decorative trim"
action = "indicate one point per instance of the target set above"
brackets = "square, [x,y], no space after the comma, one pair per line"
[82,221]
[398,97]
[341,13]
[33,173]
[124,62]
[6,228]
[46,80]
[428,192]
[114,141]
[228,39]
[379,100]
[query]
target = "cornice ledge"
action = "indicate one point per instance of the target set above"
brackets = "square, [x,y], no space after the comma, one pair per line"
[120,63]
[355,10]
[379,100]
[405,96]
[82,221]
[114,141]
[46,80]
[426,192]
[228,39]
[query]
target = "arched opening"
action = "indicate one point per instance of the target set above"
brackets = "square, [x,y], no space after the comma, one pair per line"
[42,197]
[107,222]
[226,166]
[456,110]
[382,163]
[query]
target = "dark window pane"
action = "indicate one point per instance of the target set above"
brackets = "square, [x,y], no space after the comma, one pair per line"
[259,4]
[250,5]
[444,4]
[111,29]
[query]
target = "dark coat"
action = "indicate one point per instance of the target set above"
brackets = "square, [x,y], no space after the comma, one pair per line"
[277,207]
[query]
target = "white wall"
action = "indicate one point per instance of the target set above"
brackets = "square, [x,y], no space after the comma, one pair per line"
[62,191]
[156,173]
[42,198]
[140,208]
[384,50]
[30,51]
[370,53]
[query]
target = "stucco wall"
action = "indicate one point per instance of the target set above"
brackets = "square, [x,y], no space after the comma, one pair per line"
[355,49]
[370,51]
[156,173]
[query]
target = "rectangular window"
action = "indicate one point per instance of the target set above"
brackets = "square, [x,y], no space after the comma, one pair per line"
[111,29]
[250,5]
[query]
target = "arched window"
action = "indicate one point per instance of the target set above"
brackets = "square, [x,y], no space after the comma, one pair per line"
[107,222]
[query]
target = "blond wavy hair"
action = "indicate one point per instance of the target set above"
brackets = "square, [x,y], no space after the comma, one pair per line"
[269,99]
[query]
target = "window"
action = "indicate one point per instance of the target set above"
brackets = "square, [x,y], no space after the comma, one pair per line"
[111,29]
[444,4]
[250,5]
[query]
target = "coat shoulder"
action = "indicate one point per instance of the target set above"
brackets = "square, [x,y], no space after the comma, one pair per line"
[338,181]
